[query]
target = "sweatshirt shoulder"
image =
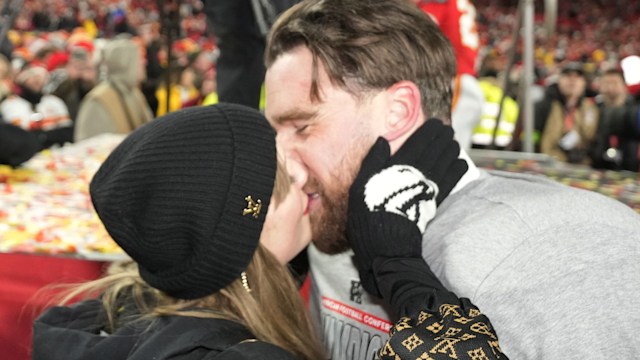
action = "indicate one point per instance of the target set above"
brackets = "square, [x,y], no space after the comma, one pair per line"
[536,196]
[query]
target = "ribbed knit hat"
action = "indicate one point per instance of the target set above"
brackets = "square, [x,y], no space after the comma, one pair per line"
[174,195]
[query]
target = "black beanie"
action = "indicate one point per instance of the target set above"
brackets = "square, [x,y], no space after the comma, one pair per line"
[173,195]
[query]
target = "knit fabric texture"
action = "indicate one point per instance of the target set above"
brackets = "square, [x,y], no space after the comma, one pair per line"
[173,195]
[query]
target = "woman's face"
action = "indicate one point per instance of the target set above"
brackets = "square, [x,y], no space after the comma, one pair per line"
[287,230]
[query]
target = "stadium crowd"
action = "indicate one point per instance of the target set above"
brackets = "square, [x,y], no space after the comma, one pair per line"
[54,56]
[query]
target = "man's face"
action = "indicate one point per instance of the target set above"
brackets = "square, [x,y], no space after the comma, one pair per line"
[35,82]
[329,138]
[612,87]
[572,84]
[81,69]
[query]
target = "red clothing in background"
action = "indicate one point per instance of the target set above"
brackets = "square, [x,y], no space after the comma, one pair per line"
[457,20]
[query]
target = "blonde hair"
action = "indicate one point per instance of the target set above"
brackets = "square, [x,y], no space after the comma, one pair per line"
[281,184]
[273,311]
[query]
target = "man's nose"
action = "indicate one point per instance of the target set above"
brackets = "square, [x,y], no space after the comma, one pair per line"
[286,145]
[297,171]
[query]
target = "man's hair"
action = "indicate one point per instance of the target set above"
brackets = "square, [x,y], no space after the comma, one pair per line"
[614,72]
[370,45]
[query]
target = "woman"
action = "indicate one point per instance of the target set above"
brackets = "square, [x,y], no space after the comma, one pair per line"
[191,198]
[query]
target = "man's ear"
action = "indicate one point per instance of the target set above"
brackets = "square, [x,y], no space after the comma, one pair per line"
[404,111]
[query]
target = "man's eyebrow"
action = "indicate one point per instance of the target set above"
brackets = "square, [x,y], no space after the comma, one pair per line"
[295,114]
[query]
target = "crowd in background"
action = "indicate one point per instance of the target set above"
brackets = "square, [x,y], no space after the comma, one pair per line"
[46,32]
[56,52]
[590,31]
[585,105]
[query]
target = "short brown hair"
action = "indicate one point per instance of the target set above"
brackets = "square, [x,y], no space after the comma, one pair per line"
[369,45]
[615,72]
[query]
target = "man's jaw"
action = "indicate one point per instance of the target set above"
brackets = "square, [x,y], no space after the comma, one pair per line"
[328,221]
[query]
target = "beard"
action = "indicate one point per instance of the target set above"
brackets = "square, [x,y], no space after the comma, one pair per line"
[329,224]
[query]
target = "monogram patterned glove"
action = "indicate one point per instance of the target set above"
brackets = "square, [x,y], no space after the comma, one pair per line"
[452,331]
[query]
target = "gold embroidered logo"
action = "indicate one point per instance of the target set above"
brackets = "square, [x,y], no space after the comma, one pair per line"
[253,207]
[412,342]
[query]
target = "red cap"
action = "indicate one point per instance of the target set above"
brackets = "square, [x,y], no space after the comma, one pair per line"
[57,60]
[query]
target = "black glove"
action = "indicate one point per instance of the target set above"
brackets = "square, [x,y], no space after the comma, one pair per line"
[394,197]
[408,285]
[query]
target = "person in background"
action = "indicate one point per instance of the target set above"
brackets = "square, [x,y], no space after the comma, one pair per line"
[32,110]
[116,105]
[485,134]
[526,250]
[17,145]
[209,91]
[155,56]
[240,27]
[457,20]
[614,150]
[565,119]
[73,82]
[183,92]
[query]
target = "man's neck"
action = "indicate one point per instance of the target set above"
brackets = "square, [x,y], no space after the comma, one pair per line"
[572,101]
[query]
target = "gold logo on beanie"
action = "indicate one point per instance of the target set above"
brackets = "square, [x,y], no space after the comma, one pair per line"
[253,207]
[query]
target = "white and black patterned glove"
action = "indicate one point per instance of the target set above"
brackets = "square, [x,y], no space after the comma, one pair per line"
[394,197]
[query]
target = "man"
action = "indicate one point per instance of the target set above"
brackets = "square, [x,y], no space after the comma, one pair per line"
[616,150]
[565,119]
[550,265]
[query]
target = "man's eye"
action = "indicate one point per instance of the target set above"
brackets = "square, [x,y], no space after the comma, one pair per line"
[301,129]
